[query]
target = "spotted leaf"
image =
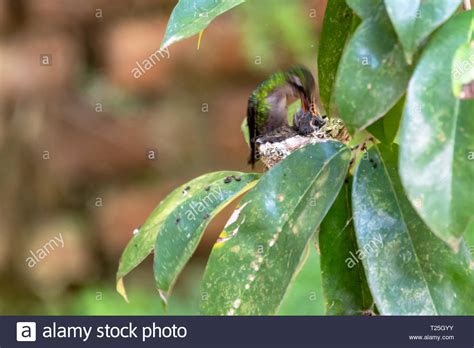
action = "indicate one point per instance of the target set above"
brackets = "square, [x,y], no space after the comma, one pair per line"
[372,74]
[175,227]
[409,270]
[436,136]
[257,254]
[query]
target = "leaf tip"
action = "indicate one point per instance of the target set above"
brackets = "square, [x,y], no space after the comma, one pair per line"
[408,57]
[121,289]
[167,41]
[164,45]
[164,298]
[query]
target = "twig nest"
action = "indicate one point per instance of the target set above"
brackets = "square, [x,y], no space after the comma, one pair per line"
[273,152]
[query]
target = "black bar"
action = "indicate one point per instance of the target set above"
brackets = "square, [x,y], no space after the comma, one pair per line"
[377,331]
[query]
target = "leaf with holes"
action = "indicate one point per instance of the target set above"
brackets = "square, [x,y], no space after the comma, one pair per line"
[186,211]
[415,20]
[372,74]
[436,137]
[345,287]
[257,254]
[189,17]
[409,270]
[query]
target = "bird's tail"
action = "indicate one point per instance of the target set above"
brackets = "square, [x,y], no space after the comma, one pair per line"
[251,119]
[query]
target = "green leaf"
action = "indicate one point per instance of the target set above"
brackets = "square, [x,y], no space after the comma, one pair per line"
[409,270]
[386,129]
[336,28]
[244,127]
[182,229]
[415,20]
[257,254]
[189,17]
[436,137]
[344,284]
[372,74]
[463,67]
[303,295]
[365,8]
[143,242]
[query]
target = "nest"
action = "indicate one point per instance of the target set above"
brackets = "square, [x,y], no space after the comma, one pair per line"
[273,152]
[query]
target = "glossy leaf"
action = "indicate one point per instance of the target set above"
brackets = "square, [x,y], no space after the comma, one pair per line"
[143,242]
[189,17]
[336,28]
[345,287]
[365,8]
[372,74]
[415,20]
[436,137]
[409,270]
[181,231]
[257,254]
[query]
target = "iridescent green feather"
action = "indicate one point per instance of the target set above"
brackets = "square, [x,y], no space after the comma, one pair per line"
[260,94]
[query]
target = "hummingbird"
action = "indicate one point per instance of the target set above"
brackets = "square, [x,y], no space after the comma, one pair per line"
[267,110]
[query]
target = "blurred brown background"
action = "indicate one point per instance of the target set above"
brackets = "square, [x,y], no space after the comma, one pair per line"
[76,135]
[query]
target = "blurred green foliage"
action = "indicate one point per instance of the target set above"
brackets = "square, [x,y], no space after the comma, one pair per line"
[269,32]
